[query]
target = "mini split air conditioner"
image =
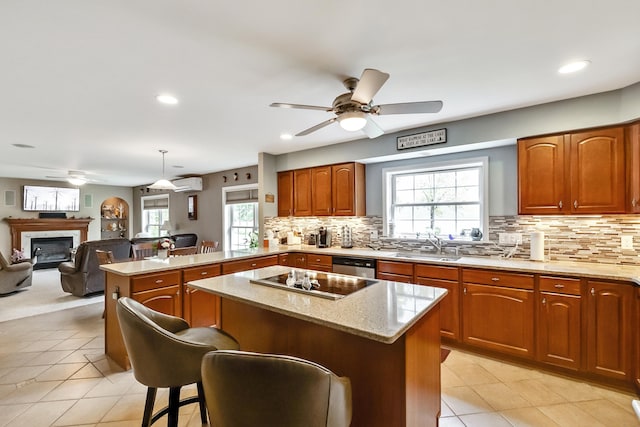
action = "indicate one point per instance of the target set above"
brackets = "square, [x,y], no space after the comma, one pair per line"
[188,184]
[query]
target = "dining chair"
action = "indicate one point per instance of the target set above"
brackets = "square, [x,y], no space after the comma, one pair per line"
[208,246]
[244,389]
[189,250]
[142,250]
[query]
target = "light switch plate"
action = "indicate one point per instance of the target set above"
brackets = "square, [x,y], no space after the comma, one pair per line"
[626,242]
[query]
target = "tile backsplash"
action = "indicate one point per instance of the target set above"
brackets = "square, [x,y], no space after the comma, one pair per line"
[567,238]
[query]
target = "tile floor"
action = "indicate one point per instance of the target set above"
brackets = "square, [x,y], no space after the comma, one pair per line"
[53,372]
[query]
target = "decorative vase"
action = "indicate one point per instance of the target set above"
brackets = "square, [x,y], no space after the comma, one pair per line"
[163,253]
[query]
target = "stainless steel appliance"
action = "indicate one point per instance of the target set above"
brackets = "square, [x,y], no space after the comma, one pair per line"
[354,266]
[323,239]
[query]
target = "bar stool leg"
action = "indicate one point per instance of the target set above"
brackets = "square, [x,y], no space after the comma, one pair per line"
[148,406]
[174,407]
[202,403]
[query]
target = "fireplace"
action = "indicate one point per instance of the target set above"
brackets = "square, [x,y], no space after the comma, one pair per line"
[51,251]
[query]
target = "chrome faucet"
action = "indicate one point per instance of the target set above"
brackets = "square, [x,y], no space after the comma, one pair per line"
[435,241]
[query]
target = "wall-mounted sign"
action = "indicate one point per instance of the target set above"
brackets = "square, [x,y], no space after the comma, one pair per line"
[438,136]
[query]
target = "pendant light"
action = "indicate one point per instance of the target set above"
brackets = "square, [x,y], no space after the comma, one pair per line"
[163,184]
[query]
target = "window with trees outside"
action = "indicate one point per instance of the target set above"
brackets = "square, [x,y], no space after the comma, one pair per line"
[445,200]
[241,218]
[155,211]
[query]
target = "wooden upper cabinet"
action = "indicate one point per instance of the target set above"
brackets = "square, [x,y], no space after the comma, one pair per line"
[541,176]
[321,191]
[285,193]
[302,192]
[633,168]
[576,173]
[348,189]
[598,171]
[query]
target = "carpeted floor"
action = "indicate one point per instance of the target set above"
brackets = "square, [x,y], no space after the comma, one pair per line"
[44,296]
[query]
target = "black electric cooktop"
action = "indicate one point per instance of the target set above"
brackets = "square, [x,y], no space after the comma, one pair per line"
[327,285]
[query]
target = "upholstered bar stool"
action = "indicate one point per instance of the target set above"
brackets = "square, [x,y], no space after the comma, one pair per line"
[166,353]
[250,389]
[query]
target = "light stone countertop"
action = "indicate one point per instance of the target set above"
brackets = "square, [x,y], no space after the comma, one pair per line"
[382,312]
[627,273]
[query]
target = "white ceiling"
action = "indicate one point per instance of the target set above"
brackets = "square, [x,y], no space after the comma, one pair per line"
[78,78]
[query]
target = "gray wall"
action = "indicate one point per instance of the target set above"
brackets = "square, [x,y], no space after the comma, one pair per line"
[98,193]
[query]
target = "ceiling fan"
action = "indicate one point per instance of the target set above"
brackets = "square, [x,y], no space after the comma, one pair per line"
[354,109]
[74,177]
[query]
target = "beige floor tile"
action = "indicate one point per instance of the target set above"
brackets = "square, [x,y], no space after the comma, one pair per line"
[61,334]
[97,343]
[570,390]
[464,400]
[511,373]
[500,396]
[87,411]
[60,372]
[72,389]
[31,393]
[22,374]
[129,407]
[48,357]
[9,412]
[450,422]
[536,392]
[6,389]
[473,374]
[129,423]
[88,371]
[106,387]
[445,411]
[448,378]
[82,355]
[570,415]
[42,414]
[17,359]
[527,417]
[622,399]
[608,413]
[484,420]
[72,344]
[42,345]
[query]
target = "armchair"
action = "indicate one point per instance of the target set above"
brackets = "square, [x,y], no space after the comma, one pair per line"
[14,277]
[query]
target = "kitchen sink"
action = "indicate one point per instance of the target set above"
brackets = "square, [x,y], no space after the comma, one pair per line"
[427,257]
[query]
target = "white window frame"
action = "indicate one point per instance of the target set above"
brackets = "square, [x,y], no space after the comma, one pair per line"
[481,162]
[226,243]
[142,210]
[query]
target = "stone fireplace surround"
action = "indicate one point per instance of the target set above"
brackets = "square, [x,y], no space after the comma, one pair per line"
[25,229]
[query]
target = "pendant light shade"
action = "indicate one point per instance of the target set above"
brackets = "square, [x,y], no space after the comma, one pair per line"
[163,184]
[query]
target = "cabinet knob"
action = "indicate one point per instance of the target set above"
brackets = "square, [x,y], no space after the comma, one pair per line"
[593,291]
[575,204]
[253,264]
[634,202]
[159,281]
[558,286]
[495,279]
[204,273]
[544,301]
[464,291]
[560,204]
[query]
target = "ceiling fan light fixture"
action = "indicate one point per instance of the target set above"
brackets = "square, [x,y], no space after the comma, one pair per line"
[163,184]
[572,67]
[352,120]
[76,180]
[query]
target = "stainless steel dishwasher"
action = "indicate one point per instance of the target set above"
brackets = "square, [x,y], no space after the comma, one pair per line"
[355,266]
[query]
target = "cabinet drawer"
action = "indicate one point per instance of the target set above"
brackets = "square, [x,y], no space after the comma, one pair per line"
[197,273]
[394,277]
[324,261]
[498,278]
[249,264]
[154,281]
[436,272]
[560,285]
[395,267]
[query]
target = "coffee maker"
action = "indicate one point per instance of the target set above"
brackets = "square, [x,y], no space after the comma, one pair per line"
[323,238]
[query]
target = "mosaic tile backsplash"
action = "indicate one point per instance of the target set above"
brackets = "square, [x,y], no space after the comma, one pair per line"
[567,238]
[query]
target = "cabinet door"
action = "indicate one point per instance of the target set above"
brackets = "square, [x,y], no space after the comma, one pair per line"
[167,300]
[598,171]
[348,189]
[395,271]
[449,306]
[321,191]
[609,329]
[542,184]
[498,318]
[285,193]
[319,262]
[200,308]
[633,168]
[302,192]
[249,264]
[559,329]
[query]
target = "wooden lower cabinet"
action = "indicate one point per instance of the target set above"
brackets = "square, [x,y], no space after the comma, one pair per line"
[200,308]
[249,264]
[498,318]
[319,262]
[559,321]
[396,271]
[161,292]
[447,278]
[637,337]
[610,329]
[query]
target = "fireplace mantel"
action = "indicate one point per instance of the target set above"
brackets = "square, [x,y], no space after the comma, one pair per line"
[19,225]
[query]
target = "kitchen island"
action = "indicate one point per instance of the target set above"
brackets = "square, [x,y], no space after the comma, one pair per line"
[384,337]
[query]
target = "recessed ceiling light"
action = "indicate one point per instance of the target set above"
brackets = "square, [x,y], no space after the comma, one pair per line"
[23,146]
[167,99]
[286,136]
[572,67]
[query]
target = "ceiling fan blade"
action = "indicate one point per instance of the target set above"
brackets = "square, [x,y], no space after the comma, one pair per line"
[371,129]
[370,83]
[317,127]
[300,106]
[409,108]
